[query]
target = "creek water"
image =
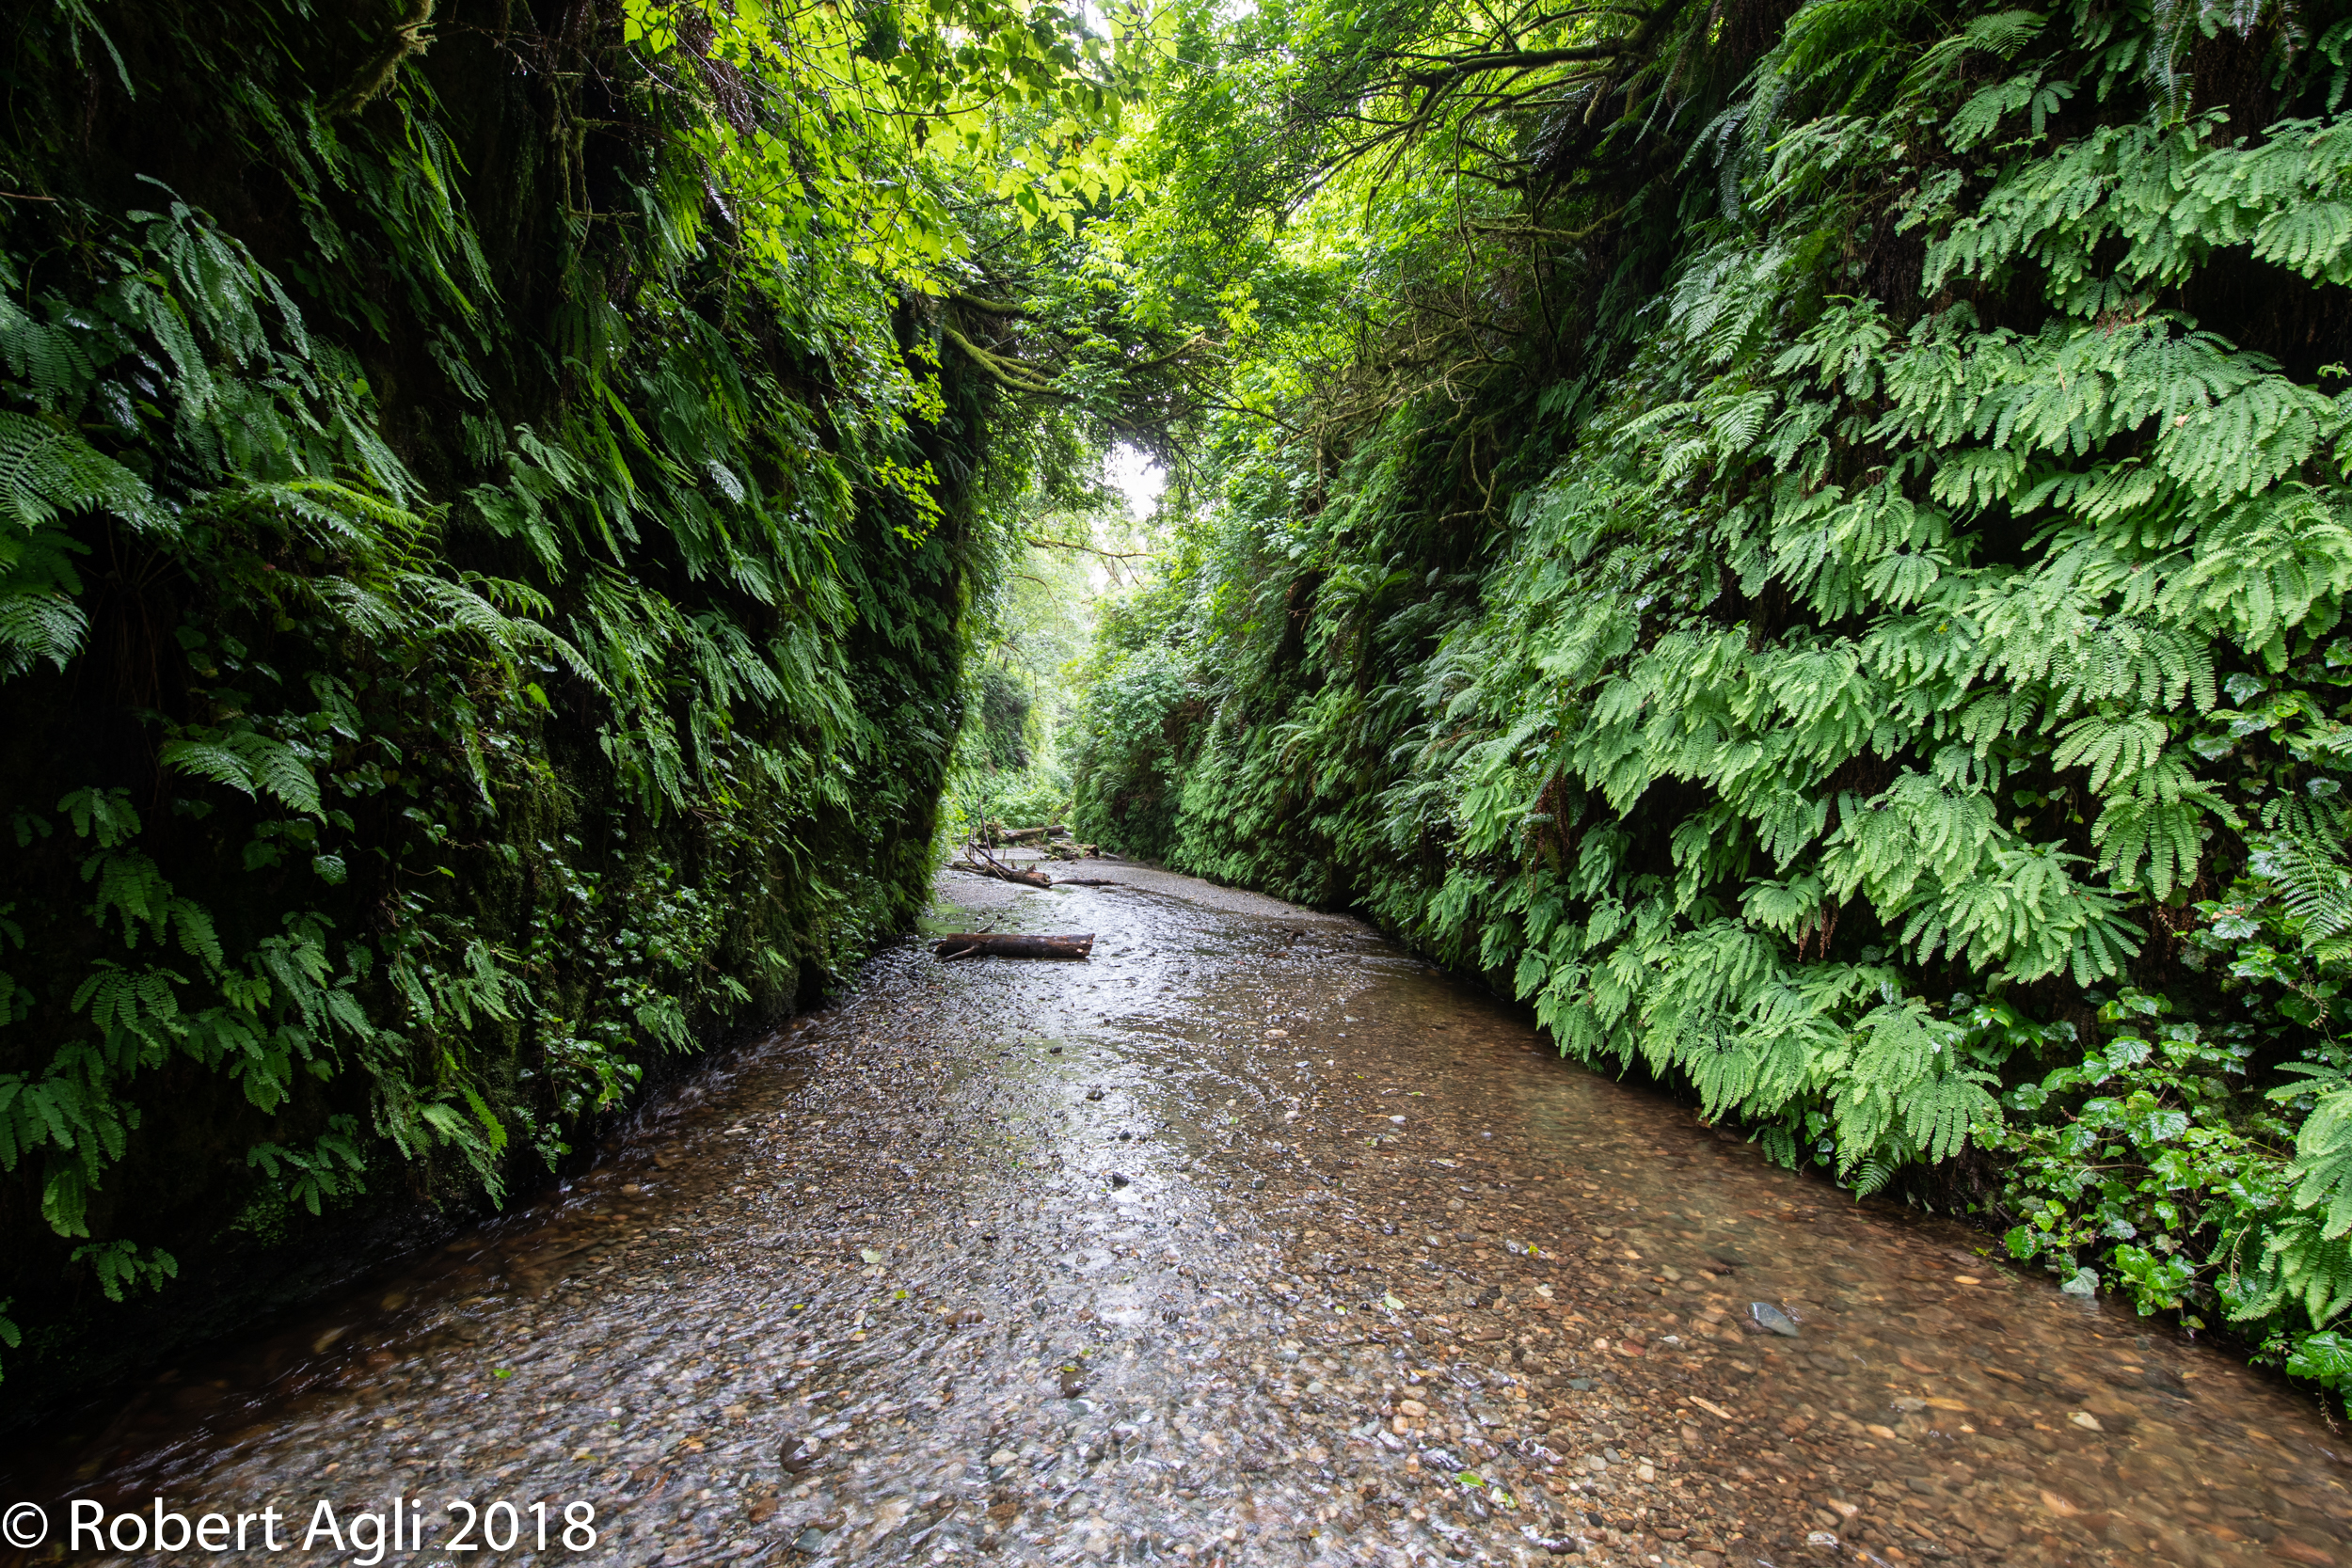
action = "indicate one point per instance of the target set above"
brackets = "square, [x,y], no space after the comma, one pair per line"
[1248,1240]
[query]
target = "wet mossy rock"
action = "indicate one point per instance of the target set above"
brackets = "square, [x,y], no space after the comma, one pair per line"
[466,635]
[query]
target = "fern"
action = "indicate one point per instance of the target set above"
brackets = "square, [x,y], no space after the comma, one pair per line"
[47,473]
[2314,883]
[38,624]
[249,762]
[2322,1171]
[2116,747]
[2286,1265]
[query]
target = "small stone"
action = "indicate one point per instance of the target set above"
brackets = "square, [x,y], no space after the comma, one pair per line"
[794,1455]
[1771,1320]
[1002,1457]
[2085,1420]
[811,1540]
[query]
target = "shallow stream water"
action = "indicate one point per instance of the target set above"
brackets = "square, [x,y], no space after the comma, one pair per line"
[1248,1240]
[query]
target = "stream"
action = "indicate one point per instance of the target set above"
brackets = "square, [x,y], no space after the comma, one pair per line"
[1251,1239]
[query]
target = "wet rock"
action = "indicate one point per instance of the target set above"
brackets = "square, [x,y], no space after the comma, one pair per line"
[1771,1320]
[796,1454]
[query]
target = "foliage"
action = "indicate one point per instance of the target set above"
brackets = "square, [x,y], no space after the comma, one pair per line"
[487,537]
[1789,544]
[1030,635]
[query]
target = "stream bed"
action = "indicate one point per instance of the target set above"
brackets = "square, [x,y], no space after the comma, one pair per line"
[1251,1239]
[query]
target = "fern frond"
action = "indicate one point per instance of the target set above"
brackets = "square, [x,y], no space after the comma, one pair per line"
[46,473]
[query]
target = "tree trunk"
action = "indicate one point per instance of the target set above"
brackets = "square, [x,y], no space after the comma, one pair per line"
[971,945]
[989,865]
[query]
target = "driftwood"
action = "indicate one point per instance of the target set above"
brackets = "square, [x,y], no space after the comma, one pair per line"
[981,863]
[1070,852]
[1022,836]
[1032,879]
[971,945]
[1086,881]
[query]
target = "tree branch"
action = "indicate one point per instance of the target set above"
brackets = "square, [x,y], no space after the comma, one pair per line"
[1010,374]
[1044,544]
[411,37]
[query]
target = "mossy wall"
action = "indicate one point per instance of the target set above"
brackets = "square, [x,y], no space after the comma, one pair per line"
[467,632]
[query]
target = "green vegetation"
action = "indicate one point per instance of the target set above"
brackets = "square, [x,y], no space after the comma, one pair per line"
[1807,544]
[1030,639]
[489,517]
[1804,540]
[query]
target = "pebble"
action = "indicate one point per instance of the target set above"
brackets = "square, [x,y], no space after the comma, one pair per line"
[889,1243]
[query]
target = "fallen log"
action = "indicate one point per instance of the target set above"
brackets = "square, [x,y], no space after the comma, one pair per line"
[1086,881]
[1022,836]
[982,944]
[1032,879]
[989,865]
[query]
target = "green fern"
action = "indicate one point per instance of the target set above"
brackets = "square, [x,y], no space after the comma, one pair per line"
[47,473]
